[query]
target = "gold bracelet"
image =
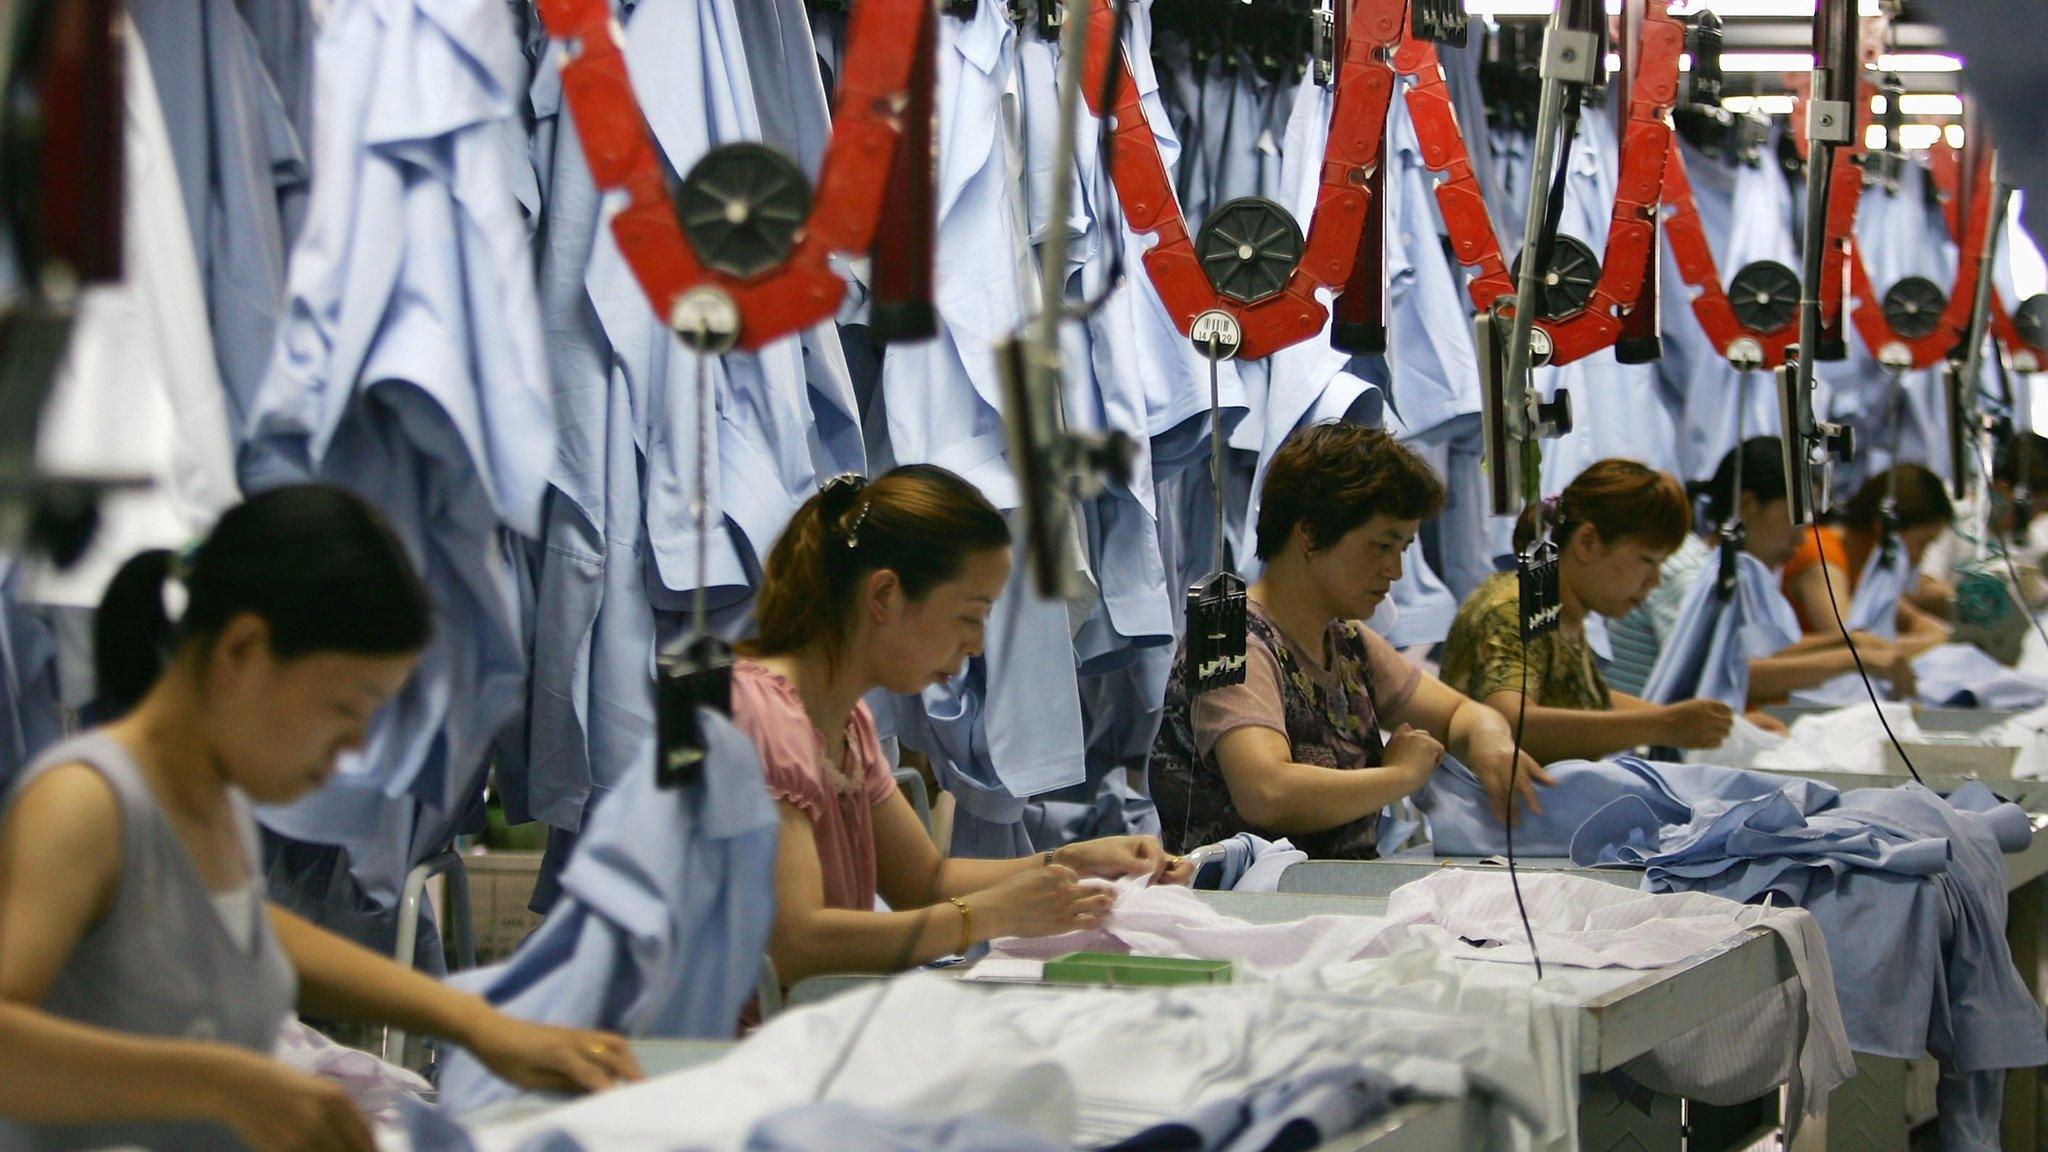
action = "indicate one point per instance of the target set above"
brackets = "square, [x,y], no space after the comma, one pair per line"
[966,924]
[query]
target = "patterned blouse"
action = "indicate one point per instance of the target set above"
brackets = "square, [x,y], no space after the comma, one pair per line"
[1485,654]
[1328,709]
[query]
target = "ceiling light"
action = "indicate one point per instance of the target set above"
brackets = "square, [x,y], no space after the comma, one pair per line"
[1931,104]
[1914,137]
[1767,62]
[1873,138]
[1773,9]
[1919,62]
[1768,105]
[1954,133]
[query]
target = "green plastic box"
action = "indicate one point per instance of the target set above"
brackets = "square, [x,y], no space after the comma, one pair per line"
[1135,971]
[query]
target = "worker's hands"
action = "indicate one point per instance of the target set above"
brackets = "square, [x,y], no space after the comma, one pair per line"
[1767,722]
[1045,901]
[547,1058]
[1491,764]
[1114,857]
[1697,723]
[1412,754]
[1891,663]
[275,1109]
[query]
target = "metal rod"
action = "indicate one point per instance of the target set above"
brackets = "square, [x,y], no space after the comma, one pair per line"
[1052,257]
[1518,385]
[1813,257]
[1980,305]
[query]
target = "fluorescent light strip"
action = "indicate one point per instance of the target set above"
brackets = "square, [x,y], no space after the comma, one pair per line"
[1772,9]
[1930,104]
[1767,62]
[1769,105]
[1919,62]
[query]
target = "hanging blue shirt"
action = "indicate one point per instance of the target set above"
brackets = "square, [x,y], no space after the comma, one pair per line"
[409,369]
[29,721]
[1899,232]
[1618,409]
[1708,653]
[243,170]
[663,920]
[1744,211]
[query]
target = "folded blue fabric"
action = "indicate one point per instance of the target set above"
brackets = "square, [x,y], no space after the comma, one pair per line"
[1908,888]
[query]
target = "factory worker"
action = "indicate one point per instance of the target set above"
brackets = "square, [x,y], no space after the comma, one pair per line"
[2019,470]
[144,976]
[888,583]
[1297,749]
[1847,547]
[1614,525]
[1764,512]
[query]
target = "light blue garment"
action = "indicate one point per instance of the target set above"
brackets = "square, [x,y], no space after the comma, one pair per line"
[1010,727]
[1618,409]
[1744,212]
[1909,890]
[29,722]
[409,369]
[1639,638]
[663,921]
[1461,821]
[1466,543]
[1899,233]
[1708,652]
[1120,711]
[1875,606]
[622,551]
[1435,372]
[1964,676]
[285,32]
[243,170]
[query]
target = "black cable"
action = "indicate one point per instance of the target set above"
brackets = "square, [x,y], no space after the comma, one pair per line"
[1514,765]
[1875,704]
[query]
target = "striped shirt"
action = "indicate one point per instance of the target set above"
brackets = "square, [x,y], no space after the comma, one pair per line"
[1639,637]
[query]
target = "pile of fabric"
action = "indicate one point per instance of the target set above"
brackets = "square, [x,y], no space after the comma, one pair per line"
[1909,889]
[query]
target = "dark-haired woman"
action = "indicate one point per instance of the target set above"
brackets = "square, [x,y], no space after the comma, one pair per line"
[1614,525]
[887,584]
[143,975]
[1296,749]
[1834,561]
[1768,535]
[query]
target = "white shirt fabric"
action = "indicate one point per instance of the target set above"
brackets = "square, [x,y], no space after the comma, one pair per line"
[1850,739]
[1092,1066]
[140,394]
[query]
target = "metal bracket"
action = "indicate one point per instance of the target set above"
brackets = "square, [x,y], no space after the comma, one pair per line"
[707,320]
[1830,122]
[1571,56]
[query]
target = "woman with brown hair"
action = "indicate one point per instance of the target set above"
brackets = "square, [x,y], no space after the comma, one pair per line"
[1296,749]
[1922,513]
[1614,526]
[888,584]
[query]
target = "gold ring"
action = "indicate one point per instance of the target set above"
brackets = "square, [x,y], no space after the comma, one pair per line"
[597,1049]
[1173,862]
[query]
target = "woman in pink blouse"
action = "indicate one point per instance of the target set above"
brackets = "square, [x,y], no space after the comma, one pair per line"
[888,584]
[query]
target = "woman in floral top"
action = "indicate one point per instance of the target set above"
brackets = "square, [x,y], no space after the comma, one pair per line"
[1614,526]
[1296,750]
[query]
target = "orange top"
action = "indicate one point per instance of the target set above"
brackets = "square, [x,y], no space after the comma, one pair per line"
[1809,553]
[1848,551]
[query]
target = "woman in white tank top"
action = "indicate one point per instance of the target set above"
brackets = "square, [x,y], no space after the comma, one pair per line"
[142,978]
